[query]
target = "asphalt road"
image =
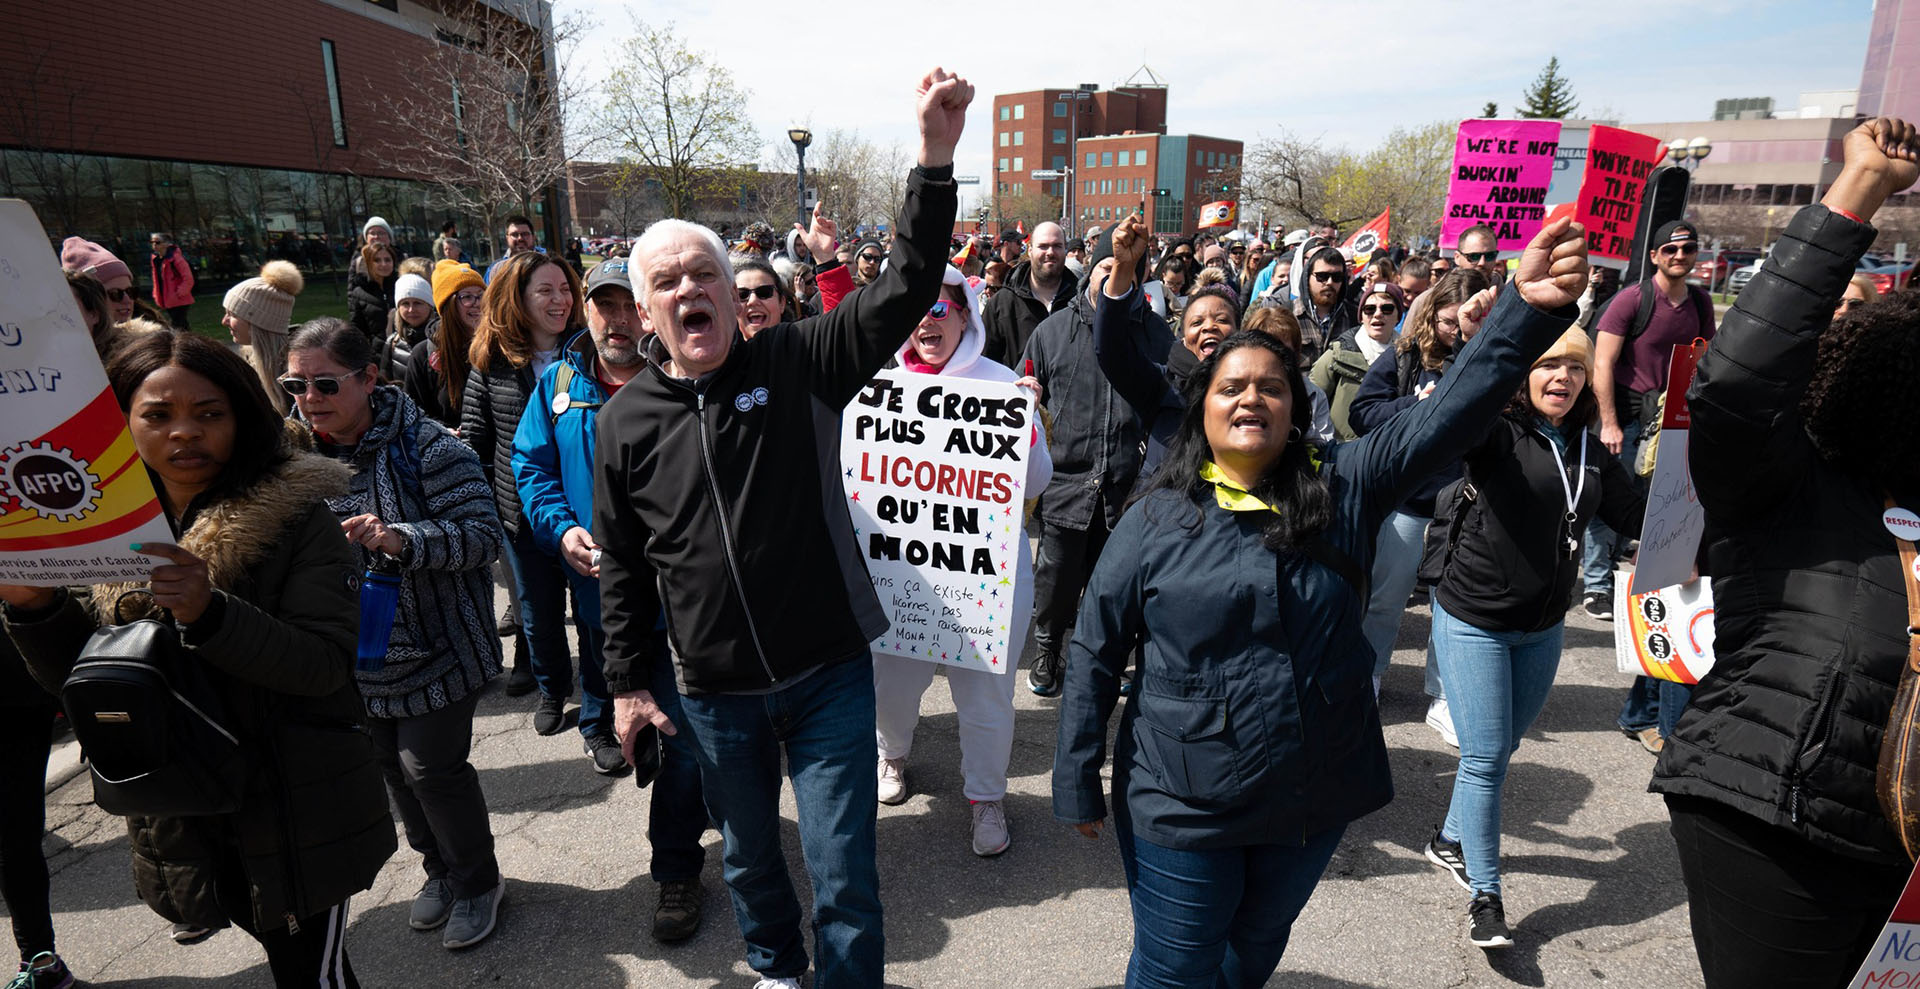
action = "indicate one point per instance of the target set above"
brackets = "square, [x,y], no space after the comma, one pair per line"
[1592,884]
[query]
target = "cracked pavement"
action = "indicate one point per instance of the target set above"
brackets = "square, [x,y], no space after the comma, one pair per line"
[1591,880]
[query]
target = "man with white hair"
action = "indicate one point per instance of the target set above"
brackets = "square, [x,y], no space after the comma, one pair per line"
[719,504]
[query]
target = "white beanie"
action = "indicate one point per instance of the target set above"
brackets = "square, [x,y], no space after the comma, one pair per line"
[375,221]
[266,302]
[413,287]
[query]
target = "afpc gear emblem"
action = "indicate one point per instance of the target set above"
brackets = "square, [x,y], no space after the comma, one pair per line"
[49,481]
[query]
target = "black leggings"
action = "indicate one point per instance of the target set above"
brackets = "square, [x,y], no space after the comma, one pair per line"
[25,738]
[313,957]
[1770,909]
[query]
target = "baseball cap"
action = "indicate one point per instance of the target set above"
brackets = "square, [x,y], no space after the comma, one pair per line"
[612,271]
[1675,231]
[1010,237]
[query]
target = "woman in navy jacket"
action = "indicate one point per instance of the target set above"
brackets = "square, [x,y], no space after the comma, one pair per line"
[1253,737]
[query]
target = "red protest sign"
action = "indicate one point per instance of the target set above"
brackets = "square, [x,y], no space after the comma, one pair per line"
[1370,238]
[1618,163]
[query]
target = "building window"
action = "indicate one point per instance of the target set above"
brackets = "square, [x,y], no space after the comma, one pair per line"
[1019,164]
[1005,139]
[1019,188]
[1093,158]
[1199,157]
[1019,111]
[1003,164]
[1059,136]
[1106,187]
[1089,188]
[1004,112]
[1059,109]
[1059,162]
[1019,138]
[1106,212]
[1106,159]
[333,94]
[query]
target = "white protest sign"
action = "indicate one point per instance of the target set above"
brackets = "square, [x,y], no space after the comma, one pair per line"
[1675,521]
[73,492]
[1666,632]
[1894,961]
[934,469]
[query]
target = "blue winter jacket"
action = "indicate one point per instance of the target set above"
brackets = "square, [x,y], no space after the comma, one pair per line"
[1254,721]
[553,455]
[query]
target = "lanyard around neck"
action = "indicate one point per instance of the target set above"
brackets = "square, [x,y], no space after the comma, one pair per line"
[1572,491]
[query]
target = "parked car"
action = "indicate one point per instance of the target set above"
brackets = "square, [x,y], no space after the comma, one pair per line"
[1892,277]
[1713,271]
[1739,279]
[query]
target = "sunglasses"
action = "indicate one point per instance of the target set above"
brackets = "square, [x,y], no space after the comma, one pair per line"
[1687,247]
[119,294]
[939,310]
[1329,276]
[870,258]
[1384,309]
[325,384]
[762,293]
[1479,257]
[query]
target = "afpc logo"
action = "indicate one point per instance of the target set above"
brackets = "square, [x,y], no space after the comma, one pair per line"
[746,400]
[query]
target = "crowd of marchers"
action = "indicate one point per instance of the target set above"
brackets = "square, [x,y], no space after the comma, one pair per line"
[1257,452]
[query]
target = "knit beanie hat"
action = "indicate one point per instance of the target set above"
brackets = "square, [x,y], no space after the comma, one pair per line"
[266,302]
[1391,291]
[1574,344]
[77,254]
[450,276]
[413,287]
[375,221]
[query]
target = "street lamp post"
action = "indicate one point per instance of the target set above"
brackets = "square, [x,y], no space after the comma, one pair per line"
[1688,155]
[1072,198]
[801,137]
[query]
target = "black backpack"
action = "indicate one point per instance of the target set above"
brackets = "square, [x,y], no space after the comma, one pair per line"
[153,729]
[1450,509]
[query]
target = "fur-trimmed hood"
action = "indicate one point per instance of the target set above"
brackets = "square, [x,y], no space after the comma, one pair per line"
[235,534]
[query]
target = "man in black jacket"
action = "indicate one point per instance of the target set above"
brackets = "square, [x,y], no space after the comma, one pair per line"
[1037,287]
[720,504]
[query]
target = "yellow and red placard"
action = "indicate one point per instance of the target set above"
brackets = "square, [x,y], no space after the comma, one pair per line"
[1219,214]
[73,492]
[1371,238]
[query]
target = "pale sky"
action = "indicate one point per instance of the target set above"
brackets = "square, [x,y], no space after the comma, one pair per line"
[1343,73]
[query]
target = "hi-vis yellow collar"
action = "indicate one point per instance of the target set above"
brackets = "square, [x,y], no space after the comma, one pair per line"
[1229,495]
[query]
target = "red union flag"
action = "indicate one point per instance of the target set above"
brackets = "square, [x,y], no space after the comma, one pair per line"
[1218,214]
[1370,238]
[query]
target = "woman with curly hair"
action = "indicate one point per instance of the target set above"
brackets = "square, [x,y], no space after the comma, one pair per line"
[1803,451]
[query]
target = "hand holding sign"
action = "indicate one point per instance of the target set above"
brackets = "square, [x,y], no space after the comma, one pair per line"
[27,598]
[180,585]
[1553,269]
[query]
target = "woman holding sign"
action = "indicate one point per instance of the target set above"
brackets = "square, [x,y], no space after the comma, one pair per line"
[1509,539]
[1807,462]
[949,341]
[1253,737]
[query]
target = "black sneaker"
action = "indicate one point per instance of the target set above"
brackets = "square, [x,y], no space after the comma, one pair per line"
[520,680]
[1043,677]
[606,755]
[677,916]
[550,716]
[1487,922]
[1446,854]
[1598,606]
[190,933]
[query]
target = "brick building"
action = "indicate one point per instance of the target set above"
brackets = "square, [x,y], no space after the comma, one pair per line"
[246,129]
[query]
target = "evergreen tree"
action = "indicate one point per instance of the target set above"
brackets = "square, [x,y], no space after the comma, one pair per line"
[1491,110]
[1550,96]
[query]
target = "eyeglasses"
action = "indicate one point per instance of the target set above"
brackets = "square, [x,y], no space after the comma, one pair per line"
[870,258]
[468,298]
[119,294]
[325,384]
[763,293]
[1384,309]
[940,309]
[1329,276]
[1685,247]
[1478,257]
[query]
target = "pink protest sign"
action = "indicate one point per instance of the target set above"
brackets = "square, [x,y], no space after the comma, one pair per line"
[1501,170]
[1618,163]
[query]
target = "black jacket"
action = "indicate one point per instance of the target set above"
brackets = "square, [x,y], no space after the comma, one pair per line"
[1510,570]
[1014,312]
[1388,390]
[719,499]
[1810,620]
[490,408]
[1096,438]
[426,384]
[368,303]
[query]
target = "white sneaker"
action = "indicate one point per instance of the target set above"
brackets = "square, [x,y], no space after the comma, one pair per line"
[893,780]
[989,828]
[766,983]
[1441,720]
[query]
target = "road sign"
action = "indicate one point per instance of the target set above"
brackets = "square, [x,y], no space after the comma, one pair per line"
[1043,174]
[966,180]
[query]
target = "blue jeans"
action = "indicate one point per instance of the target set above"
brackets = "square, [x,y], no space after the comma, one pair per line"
[677,816]
[1654,703]
[1219,917]
[1496,684]
[540,590]
[824,723]
[1396,564]
[596,705]
[1603,545]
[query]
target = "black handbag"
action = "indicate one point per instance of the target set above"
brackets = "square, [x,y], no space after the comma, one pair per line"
[153,729]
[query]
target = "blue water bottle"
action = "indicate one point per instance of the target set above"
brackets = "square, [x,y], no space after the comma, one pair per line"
[379,596]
